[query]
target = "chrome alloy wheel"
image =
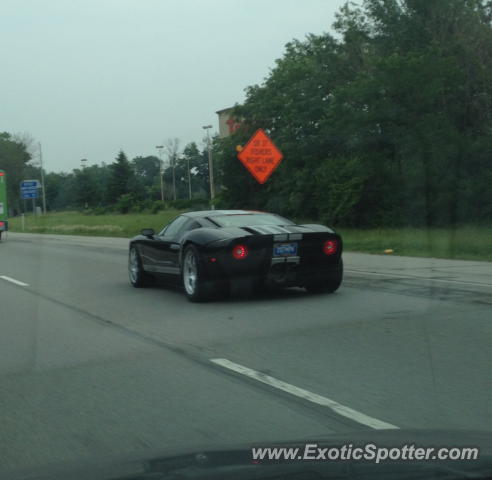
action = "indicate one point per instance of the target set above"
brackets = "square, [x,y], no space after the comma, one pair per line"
[190,272]
[133,266]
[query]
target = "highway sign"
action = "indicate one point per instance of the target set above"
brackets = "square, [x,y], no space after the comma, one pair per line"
[25,194]
[28,184]
[260,156]
[29,189]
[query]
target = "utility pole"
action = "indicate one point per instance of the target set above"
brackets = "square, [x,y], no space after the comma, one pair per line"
[171,147]
[42,178]
[210,166]
[161,170]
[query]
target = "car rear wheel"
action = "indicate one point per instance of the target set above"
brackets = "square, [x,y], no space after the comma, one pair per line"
[329,283]
[196,289]
[138,277]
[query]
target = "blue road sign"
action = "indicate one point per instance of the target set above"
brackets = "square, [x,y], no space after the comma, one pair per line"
[29,184]
[29,194]
[29,189]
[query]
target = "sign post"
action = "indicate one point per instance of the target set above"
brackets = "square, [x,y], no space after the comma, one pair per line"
[260,156]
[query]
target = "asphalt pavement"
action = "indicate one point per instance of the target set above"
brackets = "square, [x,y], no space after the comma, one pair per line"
[91,368]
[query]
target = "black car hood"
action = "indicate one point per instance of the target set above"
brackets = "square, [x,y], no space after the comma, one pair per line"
[203,462]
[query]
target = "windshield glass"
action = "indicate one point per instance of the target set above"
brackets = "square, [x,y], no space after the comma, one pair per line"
[245,220]
[244,223]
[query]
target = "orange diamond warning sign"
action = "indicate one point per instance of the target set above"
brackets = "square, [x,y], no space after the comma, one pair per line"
[260,156]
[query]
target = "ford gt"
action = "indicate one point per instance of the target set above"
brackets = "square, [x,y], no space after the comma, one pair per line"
[208,252]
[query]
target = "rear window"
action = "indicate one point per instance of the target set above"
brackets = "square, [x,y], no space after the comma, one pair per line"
[247,219]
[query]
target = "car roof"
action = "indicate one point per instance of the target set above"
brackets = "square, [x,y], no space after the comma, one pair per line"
[215,213]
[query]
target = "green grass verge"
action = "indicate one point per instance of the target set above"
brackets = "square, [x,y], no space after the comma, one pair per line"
[75,223]
[467,242]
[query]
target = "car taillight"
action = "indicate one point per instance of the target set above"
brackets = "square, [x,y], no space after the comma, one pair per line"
[239,252]
[330,247]
[2,224]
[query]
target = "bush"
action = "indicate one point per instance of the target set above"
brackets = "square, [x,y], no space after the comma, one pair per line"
[220,202]
[193,204]
[157,206]
[124,203]
[100,210]
[142,206]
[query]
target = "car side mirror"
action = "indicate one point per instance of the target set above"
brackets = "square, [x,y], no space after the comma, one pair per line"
[147,232]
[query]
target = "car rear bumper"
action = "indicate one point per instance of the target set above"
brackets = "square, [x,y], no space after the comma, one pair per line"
[291,275]
[282,272]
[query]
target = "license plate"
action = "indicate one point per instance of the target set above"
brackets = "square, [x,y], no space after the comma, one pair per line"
[285,249]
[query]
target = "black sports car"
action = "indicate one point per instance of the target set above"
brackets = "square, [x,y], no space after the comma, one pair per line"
[210,251]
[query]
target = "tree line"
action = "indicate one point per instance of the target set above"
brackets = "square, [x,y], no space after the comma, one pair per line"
[121,186]
[386,122]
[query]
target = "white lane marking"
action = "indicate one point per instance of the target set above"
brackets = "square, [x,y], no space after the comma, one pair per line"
[13,280]
[306,395]
[414,277]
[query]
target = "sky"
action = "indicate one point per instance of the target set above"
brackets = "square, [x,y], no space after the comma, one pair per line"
[86,78]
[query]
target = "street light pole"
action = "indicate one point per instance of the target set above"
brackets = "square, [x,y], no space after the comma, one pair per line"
[173,158]
[210,166]
[42,178]
[161,170]
[189,175]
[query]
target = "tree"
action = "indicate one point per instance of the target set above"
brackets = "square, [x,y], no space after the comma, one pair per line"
[60,191]
[413,109]
[172,150]
[90,185]
[198,163]
[120,179]
[391,121]
[14,159]
[147,169]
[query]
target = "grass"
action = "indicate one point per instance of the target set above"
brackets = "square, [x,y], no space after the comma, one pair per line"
[467,242]
[76,223]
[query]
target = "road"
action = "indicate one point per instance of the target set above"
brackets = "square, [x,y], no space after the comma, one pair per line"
[91,368]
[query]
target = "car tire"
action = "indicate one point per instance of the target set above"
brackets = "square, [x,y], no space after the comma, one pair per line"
[195,287]
[329,284]
[137,275]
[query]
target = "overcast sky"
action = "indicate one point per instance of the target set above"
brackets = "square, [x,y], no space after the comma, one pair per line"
[87,78]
